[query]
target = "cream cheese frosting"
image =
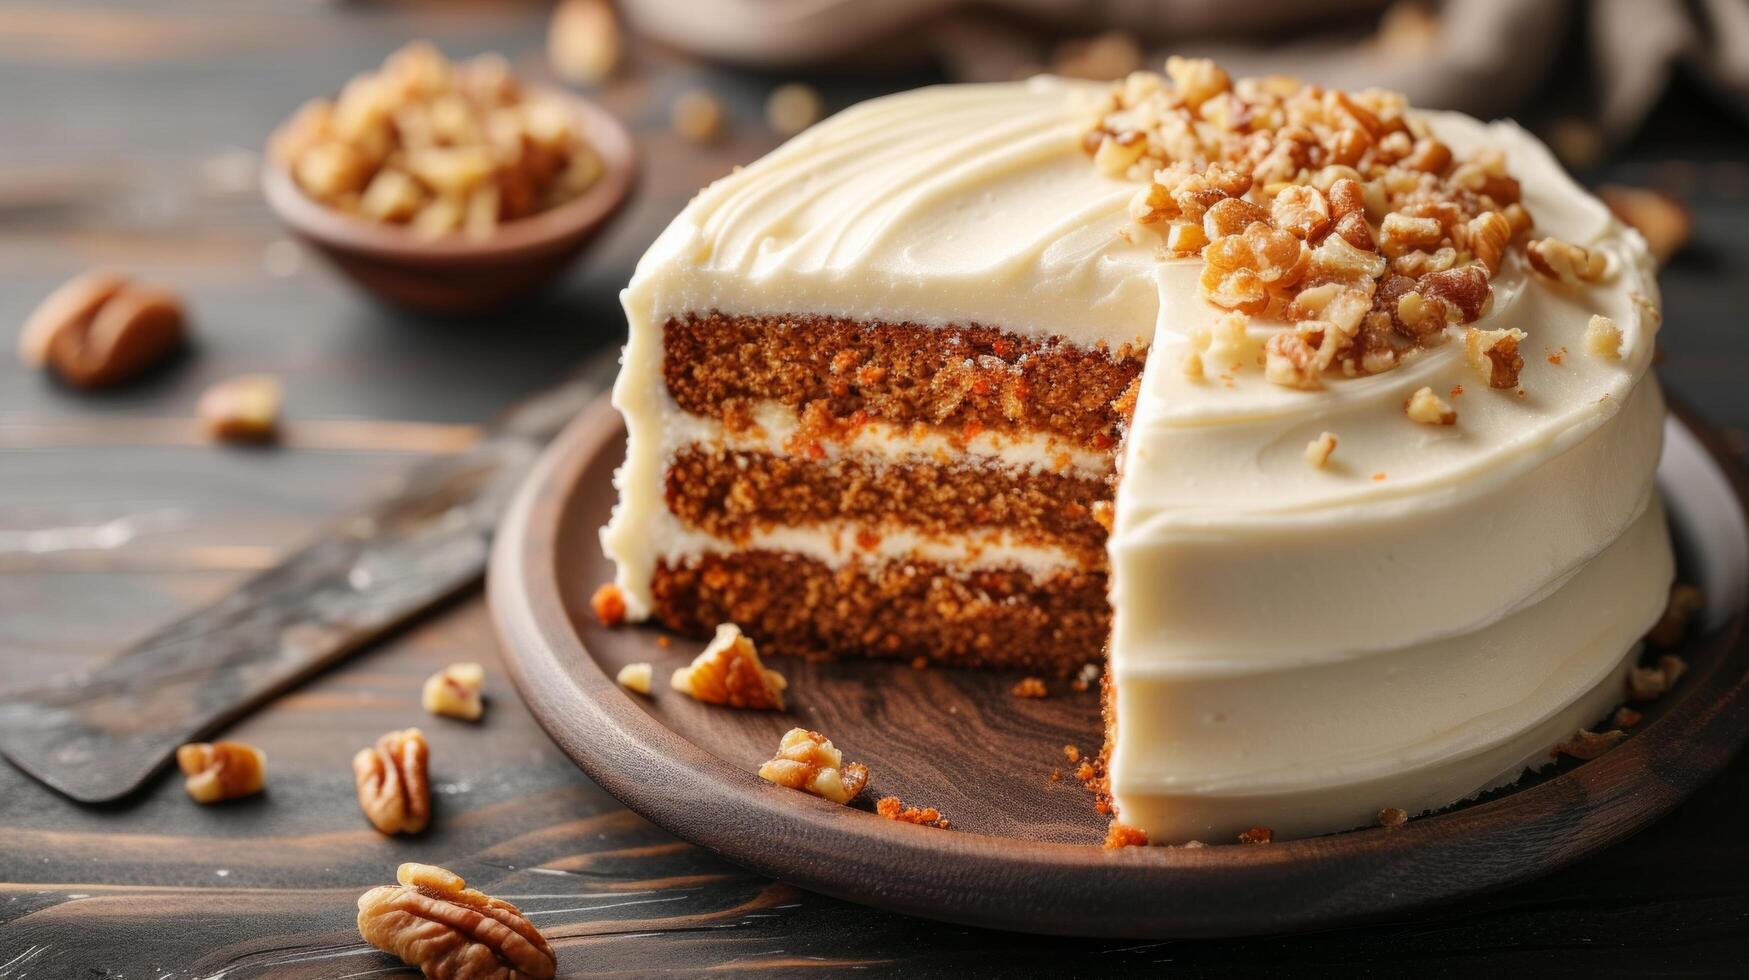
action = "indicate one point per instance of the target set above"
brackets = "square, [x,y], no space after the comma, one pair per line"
[1292,646]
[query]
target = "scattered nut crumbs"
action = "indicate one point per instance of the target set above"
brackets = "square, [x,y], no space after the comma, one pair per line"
[1280,178]
[1659,218]
[1587,744]
[927,816]
[583,41]
[241,409]
[729,672]
[1626,717]
[1603,337]
[808,761]
[1651,683]
[433,921]
[1566,263]
[696,116]
[1030,687]
[1392,817]
[635,677]
[791,108]
[393,786]
[454,691]
[609,604]
[102,328]
[1123,835]
[218,771]
[1319,450]
[1429,409]
[437,147]
[1685,601]
[1257,835]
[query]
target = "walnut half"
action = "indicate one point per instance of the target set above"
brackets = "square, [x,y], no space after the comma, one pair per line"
[219,771]
[433,921]
[102,329]
[729,672]
[808,761]
[454,691]
[393,789]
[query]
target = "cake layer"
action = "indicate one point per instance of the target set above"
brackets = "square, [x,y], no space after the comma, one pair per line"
[996,617]
[835,369]
[729,494]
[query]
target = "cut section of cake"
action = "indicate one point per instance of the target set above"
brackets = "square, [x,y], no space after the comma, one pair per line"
[1032,375]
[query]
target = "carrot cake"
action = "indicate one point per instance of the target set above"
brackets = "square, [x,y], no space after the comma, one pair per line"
[1325,422]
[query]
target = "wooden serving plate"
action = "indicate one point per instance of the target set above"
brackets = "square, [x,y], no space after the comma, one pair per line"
[1023,850]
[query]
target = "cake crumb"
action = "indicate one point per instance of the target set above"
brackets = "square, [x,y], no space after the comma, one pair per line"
[663,641]
[1085,677]
[1378,477]
[1257,835]
[1429,409]
[1392,817]
[1319,450]
[1056,775]
[1626,717]
[923,816]
[808,761]
[729,672]
[1603,337]
[1588,744]
[1685,601]
[1030,687]
[1123,835]
[609,603]
[919,663]
[635,677]
[1071,753]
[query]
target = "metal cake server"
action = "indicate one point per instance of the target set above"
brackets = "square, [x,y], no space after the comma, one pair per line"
[98,735]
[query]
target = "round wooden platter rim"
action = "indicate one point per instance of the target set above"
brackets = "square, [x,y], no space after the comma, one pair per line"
[1074,889]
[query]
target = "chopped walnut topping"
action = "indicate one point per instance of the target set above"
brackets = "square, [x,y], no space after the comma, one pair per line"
[1295,186]
[1651,683]
[924,816]
[635,677]
[455,691]
[1123,835]
[393,788]
[1685,601]
[1030,687]
[1257,835]
[808,761]
[1319,450]
[218,771]
[1603,337]
[1565,262]
[1392,817]
[1588,744]
[609,604]
[729,672]
[1494,355]
[1291,361]
[1429,409]
[433,921]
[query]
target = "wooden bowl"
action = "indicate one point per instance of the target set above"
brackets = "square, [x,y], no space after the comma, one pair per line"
[1023,852]
[457,274]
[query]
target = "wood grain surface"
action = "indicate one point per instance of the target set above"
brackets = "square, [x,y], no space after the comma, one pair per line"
[127,136]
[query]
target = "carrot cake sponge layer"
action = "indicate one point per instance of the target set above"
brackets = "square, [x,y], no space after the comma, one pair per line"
[1342,408]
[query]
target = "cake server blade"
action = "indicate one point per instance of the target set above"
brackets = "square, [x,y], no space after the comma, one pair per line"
[98,735]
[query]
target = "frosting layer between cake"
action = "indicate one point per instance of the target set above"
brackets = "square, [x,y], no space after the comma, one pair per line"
[1292,646]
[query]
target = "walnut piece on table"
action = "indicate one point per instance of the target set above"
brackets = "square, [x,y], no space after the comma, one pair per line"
[102,329]
[635,677]
[219,771]
[433,921]
[393,787]
[729,672]
[454,692]
[808,761]
[241,409]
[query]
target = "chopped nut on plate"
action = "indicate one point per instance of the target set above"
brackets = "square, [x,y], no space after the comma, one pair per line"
[1685,601]
[218,771]
[696,116]
[1030,687]
[242,409]
[1429,409]
[635,677]
[454,691]
[433,921]
[808,761]
[609,604]
[1651,683]
[1392,817]
[583,41]
[893,808]
[393,787]
[101,329]
[1586,744]
[791,108]
[1257,835]
[729,672]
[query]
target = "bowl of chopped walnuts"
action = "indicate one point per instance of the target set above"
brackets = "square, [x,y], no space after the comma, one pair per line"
[448,187]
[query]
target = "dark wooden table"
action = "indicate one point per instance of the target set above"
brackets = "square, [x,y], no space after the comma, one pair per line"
[127,138]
